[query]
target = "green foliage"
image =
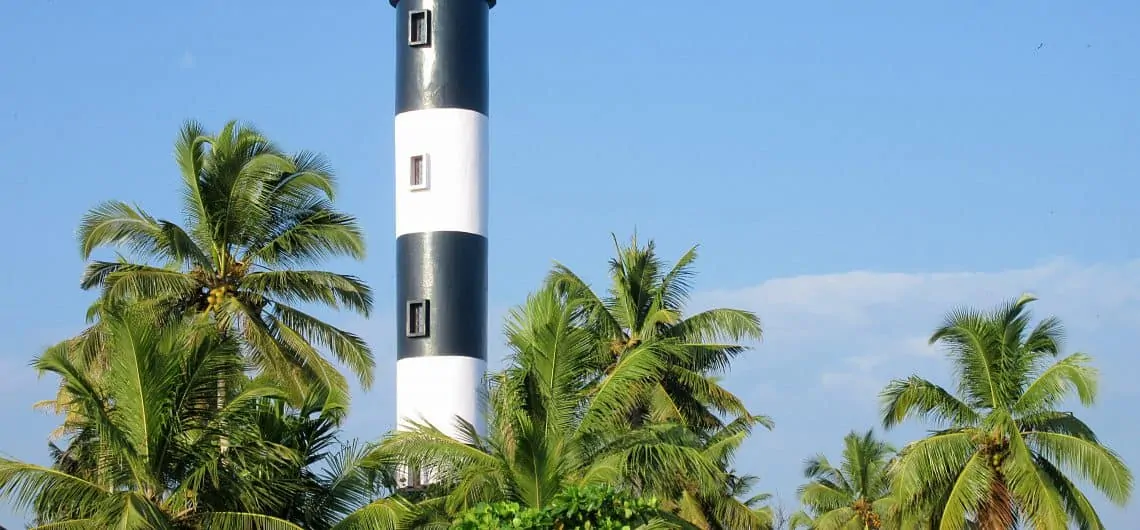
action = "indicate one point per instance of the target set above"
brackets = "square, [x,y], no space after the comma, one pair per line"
[503,514]
[552,426]
[593,507]
[201,396]
[643,313]
[329,479]
[855,493]
[146,436]
[164,426]
[256,219]
[1002,451]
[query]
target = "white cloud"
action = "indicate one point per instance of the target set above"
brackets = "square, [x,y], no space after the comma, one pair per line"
[871,322]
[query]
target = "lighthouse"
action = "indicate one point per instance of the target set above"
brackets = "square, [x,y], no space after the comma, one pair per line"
[441,183]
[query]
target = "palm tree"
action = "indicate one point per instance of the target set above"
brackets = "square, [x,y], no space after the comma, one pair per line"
[255,217]
[855,495]
[332,483]
[644,308]
[726,507]
[326,473]
[1004,452]
[552,427]
[144,450]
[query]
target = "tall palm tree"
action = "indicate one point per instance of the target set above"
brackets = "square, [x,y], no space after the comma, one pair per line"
[551,426]
[1004,452]
[144,451]
[644,307]
[255,219]
[855,495]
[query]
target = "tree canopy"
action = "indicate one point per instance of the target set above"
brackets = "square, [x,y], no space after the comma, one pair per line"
[204,394]
[1003,451]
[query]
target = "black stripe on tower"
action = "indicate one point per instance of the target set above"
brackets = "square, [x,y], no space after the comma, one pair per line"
[441,54]
[442,285]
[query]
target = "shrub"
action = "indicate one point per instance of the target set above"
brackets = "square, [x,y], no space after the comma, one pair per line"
[592,508]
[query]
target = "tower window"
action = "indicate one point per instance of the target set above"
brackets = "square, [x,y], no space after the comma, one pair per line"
[419,28]
[417,325]
[418,173]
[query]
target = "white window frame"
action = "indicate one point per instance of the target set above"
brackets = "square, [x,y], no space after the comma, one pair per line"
[425,172]
[425,39]
[421,327]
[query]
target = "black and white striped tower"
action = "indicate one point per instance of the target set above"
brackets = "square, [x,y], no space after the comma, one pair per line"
[441,210]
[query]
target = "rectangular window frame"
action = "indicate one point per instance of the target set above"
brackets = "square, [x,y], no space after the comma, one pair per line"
[414,18]
[421,327]
[418,164]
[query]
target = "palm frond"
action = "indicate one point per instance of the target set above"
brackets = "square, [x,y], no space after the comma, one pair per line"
[1080,509]
[311,286]
[917,397]
[617,394]
[134,282]
[717,324]
[424,446]
[347,347]
[305,233]
[1059,422]
[968,492]
[932,461]
[566,283]
[115,223]
[26,484]
[243,521]
[1070,374]
[385,514]
[190,151]
[1037,496]
[1098,465]
[678,282]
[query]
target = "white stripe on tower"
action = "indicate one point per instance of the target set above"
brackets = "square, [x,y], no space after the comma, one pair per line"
[450,194]
[441,213]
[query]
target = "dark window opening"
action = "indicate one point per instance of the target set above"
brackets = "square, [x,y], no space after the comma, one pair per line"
[417,318]
[419,28]
[418,174]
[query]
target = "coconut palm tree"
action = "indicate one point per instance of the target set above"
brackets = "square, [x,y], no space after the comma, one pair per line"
[645,306]
[1004,451]
[326,473]
[144,451]
[855,495]
[255,219]
[551,426]
[144,448]
[727,506]
[329,477]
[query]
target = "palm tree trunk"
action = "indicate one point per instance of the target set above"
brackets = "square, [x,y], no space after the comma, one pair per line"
[224,441]
[997,511]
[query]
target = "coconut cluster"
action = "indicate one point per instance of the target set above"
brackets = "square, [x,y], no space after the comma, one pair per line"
[217,297]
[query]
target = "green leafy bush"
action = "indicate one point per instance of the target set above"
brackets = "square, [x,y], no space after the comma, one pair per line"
[592,508]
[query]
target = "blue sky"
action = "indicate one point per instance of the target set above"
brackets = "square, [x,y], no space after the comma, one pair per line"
[850,169]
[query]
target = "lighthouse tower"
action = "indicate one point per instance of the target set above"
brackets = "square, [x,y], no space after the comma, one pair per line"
[441,211]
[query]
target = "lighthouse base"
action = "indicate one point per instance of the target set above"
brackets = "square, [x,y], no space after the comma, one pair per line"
[436,390]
